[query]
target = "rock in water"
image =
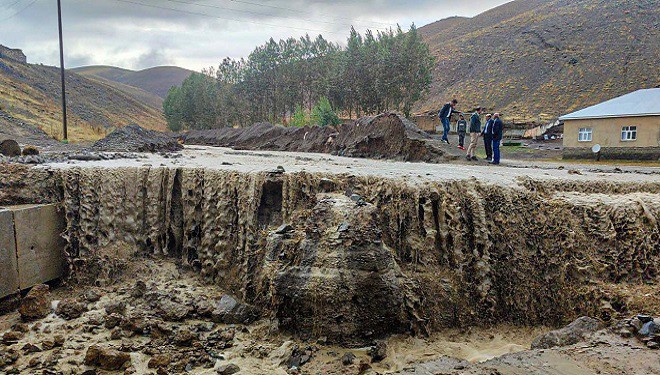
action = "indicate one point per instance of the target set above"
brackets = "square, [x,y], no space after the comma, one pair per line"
[36,305]
[378,352]
[172,311]
[348,359]
[160,360]
[106,358]
[10,147]
[569,335]
[70,309]
[30,150]
[229,369]
[230,311]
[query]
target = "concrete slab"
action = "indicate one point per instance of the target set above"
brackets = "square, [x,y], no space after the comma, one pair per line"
[8,263]
[39,243]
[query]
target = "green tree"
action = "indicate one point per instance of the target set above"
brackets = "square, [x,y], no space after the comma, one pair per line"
[300,117]
[323,114]
[279,80]
[172,109]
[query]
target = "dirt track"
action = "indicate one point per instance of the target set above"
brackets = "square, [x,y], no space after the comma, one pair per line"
[263,161]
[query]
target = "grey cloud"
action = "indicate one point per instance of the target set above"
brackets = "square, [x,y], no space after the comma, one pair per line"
[154,57]
[196,33]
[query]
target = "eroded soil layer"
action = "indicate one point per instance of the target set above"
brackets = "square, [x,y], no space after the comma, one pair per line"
[352,258]
[386,136]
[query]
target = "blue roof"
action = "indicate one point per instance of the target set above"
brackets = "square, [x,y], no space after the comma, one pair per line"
[644,102]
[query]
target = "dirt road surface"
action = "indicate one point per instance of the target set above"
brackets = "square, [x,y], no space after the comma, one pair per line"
[258,161]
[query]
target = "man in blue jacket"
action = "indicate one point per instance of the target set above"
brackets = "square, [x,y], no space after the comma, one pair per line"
[498,131]
[444,115]
[488,137]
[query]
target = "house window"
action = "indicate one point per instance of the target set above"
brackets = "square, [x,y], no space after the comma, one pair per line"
[629,133]
[585,134]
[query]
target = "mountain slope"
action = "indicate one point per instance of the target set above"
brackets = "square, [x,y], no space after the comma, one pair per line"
[145,97]
[542,58]
[31,94]
[156,80]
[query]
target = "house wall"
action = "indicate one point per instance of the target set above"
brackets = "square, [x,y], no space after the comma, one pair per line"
[607,133]
[427,123]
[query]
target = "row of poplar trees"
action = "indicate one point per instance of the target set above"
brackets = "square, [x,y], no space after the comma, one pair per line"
[374,73]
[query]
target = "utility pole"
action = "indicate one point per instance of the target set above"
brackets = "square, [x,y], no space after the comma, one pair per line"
[59,21]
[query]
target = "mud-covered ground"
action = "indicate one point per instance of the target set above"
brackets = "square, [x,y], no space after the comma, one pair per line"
[128,318]
[343,251]
[150,320]
[220,158]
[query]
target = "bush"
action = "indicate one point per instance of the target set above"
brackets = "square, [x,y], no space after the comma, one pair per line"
[323,114]
[300,117]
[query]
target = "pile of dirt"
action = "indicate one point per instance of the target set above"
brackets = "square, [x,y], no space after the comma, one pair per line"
[133,138]
[386,136]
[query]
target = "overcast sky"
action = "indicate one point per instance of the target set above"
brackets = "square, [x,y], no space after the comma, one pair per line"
[138,34]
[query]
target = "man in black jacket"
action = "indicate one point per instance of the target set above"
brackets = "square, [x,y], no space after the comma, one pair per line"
[488,137]
[498,131]
[444,115]
[475,130]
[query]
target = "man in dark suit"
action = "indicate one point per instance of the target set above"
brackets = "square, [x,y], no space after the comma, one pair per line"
[445,115]
[488,137]
[498,131]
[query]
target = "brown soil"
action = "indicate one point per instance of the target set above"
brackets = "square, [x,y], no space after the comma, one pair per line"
[386,136]
[330,261]
[260,348]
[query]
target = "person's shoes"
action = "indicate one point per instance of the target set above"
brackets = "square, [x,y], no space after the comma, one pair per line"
[461,147]
[489,160]
[468,158]
[493,163]
[475,158]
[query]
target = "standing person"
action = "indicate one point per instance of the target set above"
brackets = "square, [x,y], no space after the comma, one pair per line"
[461,129]
[498,131]
[475,130]
[444,115]
[488,137]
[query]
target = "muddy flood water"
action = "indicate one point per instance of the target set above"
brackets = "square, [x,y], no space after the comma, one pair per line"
[257,348]
[223,262]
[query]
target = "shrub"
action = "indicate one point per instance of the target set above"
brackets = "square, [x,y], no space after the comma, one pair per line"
[300,117]
[323,114]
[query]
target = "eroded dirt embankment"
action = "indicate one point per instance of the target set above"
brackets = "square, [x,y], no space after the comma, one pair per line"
[386,136]
[363,257]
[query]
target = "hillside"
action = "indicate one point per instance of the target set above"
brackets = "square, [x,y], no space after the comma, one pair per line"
[156,80]
[30,94]
[541,58]
[146,97]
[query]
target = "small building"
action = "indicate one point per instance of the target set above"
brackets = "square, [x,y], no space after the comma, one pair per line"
[627,127]
[429,122]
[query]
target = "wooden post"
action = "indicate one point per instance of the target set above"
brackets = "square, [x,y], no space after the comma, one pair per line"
[59,21]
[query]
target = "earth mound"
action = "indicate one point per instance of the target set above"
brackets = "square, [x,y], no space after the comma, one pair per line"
[133,138]
[386,136]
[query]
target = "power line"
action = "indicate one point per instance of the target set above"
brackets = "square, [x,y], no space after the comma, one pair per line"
[227,18]
[293,10]
[263,14]
[14,3]
[17,13]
